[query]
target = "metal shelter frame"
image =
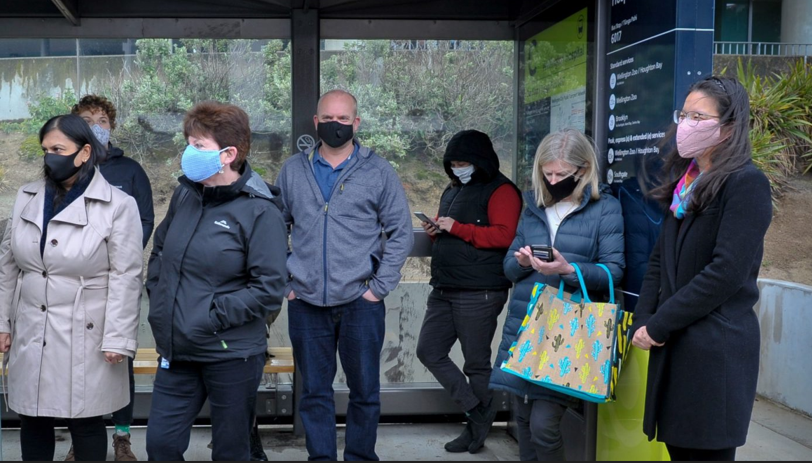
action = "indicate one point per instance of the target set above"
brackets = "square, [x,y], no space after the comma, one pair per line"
[306,23]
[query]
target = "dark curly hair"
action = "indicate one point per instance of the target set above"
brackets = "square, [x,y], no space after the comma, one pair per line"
[95,103]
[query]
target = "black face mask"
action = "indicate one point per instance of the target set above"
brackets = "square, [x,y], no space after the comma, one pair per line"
[335,133]
[60,168]
[562,189]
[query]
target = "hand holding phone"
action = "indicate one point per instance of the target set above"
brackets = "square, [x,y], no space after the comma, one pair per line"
[424,218]
[542,252]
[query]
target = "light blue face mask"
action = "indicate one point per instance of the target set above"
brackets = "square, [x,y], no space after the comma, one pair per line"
[199,165]
[102,134]
[463,173]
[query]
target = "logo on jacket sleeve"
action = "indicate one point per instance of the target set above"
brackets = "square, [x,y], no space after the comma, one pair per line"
[223,224]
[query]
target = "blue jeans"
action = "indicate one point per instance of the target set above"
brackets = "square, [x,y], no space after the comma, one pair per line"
[179,394]
[356,330]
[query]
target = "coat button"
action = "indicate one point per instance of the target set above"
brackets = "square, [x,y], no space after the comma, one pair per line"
[54,242]
[90,326]
[42,308]
[44,274]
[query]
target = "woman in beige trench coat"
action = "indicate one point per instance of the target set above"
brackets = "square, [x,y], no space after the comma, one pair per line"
[70,277]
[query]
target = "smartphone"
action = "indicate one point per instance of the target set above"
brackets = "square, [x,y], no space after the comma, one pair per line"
[423,217]
[542,252]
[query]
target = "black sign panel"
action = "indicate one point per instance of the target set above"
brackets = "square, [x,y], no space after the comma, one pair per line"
[641,61]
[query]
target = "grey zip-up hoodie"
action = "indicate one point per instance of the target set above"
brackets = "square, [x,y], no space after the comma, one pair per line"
[337,247]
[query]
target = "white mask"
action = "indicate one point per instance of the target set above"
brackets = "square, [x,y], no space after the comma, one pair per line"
[463,173]
[102,134]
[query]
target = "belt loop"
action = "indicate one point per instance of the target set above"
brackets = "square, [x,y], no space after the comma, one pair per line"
[486,294]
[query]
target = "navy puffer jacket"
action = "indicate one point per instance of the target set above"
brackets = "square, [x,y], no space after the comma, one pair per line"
[593,234]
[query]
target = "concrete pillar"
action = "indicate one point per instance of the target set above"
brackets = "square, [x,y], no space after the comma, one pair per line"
[796,21]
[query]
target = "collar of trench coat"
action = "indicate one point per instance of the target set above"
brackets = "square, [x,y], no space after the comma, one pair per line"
[76,212]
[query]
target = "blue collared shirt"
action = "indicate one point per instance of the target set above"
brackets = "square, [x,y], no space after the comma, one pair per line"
[326,176]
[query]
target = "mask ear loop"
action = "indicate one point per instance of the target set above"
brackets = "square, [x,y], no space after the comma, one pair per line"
[222,166]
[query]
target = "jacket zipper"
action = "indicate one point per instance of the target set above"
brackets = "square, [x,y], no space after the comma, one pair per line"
[324,250]
[455,199]
[341,178]
[222,342]
[451,206]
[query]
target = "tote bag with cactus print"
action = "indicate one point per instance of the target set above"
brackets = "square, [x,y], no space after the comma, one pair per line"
[570,344]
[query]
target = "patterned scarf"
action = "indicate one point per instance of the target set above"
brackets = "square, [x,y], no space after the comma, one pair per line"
[682,193]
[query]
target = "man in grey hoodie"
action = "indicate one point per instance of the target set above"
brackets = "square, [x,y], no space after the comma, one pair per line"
[339,200]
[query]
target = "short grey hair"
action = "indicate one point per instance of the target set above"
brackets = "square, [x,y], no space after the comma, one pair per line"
[338,91]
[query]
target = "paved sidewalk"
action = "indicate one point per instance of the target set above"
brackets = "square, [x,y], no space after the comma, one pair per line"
[776,434]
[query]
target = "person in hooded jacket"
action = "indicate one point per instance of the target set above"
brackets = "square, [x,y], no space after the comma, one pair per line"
[122,172]
[127,175]
[217,270]
[477,220]
[568,211]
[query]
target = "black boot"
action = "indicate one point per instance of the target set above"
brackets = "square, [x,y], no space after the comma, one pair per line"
[480,419]
[461,443]
[257,451]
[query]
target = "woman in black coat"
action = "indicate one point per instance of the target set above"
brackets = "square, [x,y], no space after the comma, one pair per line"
[695,312]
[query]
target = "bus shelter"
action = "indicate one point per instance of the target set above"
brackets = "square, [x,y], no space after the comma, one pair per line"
[422,70]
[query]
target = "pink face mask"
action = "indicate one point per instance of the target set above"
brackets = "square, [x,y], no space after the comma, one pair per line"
[693,141]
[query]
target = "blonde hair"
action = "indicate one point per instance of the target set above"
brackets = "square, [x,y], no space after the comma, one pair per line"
[574,148]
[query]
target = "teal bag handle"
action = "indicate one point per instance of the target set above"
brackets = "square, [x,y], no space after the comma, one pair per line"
[611,283]
[583,283]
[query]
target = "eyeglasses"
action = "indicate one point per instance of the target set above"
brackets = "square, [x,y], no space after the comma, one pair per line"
[693,117]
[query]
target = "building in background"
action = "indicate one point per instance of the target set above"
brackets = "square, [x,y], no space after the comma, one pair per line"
[763,27]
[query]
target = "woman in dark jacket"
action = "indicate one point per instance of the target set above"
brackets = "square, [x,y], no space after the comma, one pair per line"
[216,272]
[584,226]
[695,312]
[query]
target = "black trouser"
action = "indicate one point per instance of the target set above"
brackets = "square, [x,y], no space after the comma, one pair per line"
[37,439]
[470,316]
[124,417]
[683,454]
[538,423]
[178,395]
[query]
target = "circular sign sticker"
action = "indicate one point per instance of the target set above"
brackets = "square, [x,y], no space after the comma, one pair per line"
[305,142]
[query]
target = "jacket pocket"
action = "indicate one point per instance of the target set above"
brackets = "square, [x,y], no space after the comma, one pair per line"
[718,315]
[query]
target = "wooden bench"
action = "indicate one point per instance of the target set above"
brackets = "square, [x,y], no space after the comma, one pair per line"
[146,361]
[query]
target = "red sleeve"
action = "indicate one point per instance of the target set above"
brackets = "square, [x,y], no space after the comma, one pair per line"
[504,209]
